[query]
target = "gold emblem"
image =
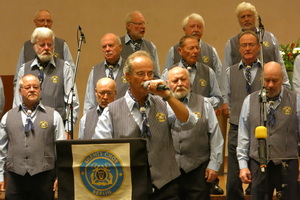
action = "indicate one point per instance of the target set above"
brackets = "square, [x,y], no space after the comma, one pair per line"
[123,79]
[205,59]
[287,110]
[43,124]
[54,79]
[197,114]
[266,43]
[202,82]
[161,117]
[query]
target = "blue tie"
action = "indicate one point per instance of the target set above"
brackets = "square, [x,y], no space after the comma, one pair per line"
[28,124]
[146,127]
[248,78]
[41,75]
[271,115]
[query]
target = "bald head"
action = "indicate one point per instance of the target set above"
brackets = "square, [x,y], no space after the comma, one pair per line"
[179,82]
[105,91]
[273,78]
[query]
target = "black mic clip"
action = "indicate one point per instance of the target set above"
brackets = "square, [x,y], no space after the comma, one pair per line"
[82,34]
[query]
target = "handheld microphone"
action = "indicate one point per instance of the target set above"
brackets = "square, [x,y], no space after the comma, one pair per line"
[261,135]
[159,87]
[81,34]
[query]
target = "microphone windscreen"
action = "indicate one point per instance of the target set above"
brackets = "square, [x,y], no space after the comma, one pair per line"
[145,84]
[261,132]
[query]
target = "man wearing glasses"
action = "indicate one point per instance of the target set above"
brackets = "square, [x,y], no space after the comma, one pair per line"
[111,67]
[43,18]
[105,93]
[146,112]
[134,39]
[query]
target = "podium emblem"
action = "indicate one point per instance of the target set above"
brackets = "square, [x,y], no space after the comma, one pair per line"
[101,173]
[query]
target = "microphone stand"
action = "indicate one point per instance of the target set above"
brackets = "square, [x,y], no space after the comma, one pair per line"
[263,195]
[72,94]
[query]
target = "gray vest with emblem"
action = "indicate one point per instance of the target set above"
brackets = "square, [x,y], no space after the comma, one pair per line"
[90,123]
[33,153]
[121,83]
[205,56]
[52,93]
[268,49]
[29,53]
[201,84]
[127,49]
[238,91]
[192,147]
[282,138]
[161,155]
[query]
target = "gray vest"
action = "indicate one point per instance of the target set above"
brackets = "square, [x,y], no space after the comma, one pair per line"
[205,56]
[52,93]
[121,82]
[30,54]
[238,91]
[90,123]
[127,49]
[268,49]
[161,157]
[201,84]
[35,152]
[192,147]
[282,138]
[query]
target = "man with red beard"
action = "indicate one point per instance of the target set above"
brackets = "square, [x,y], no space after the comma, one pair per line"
[242,79]
[27,145]
[55,75]
[198,151]
[203,78]
[134,39]
[105,92]
[111,67]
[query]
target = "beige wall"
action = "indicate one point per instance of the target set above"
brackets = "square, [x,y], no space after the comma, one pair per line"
[97,17]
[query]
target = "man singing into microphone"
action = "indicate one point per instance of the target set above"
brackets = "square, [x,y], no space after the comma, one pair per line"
[151,114]
[283,109]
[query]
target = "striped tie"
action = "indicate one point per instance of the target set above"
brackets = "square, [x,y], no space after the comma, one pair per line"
[28,124]
[248,78]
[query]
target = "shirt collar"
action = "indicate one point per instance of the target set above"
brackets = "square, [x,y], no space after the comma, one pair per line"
[131,102]
[39,107]
[36,63]
[257,63]
[128,38]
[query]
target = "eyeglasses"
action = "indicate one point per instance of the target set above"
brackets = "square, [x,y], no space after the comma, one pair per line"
[251,45]
[29,87]
[43,21]
[143,74]
[102,93]
[139,23]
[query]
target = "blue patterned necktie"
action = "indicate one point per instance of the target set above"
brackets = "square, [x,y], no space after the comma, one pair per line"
[248,78]
[188,67]
[271,114]
[111,70]
[146,127]
[137,44]
[28,124]
[41,75]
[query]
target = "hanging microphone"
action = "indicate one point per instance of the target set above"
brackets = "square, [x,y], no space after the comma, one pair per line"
[159,87]
[260,25]
[261,135]
[82,34]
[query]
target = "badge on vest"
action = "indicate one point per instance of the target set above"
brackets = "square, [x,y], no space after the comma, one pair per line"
[123,79]
[266,43]
[197,114]
[54,79]
[43,124]
[287,110]
[202,82]
[205,59]
[161,117]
